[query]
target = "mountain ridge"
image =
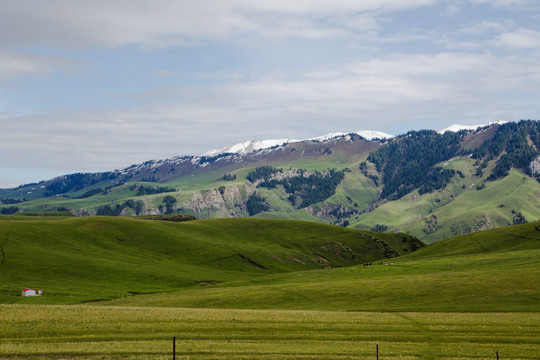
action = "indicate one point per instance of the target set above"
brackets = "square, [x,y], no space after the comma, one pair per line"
[370,135]
[251,146]
[429,184]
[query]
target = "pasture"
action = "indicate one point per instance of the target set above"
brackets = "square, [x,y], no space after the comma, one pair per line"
[463,298]
[89,332]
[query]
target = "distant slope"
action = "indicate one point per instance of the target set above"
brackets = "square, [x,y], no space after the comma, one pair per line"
[88,259]
[424,183]
[503,239]
[496,270]
[465,205]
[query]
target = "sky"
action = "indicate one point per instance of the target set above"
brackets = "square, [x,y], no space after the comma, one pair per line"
[98,85]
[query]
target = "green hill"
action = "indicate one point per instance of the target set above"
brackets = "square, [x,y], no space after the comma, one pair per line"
[265,264]
[522,237]
[496,270]
[94,258]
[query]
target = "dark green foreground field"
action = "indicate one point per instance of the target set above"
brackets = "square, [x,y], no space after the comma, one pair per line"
[310,293]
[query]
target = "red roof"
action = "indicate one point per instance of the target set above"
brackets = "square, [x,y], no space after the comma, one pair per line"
[26,289]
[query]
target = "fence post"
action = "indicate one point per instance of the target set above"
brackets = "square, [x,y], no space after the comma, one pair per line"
[377,351]
[497,355]
[174,347]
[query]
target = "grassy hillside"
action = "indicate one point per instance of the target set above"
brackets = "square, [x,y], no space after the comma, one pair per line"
[87,259]
[465,205]
[497,270]
[522,237]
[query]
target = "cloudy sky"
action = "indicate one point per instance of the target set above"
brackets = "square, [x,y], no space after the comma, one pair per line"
[101,84]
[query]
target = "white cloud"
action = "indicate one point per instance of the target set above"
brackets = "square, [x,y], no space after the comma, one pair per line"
[520,39]
[505,3]
[413,65]
[163,23]
[488,27]
[394,90]
[13,65]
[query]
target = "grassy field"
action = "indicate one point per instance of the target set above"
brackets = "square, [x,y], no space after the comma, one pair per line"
[85,332]
[506,281]
[495,270]
[462,298]
[88,259]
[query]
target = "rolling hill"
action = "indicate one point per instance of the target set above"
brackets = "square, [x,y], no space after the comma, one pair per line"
[78,260]
[489,271]
[265,264]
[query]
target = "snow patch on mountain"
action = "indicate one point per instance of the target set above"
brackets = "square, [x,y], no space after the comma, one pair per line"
[458,127]
[254,145]
[366,134]
[328,136]
[372,134]
[249,146]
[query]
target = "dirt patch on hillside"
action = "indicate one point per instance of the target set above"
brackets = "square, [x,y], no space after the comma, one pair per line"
[251,262]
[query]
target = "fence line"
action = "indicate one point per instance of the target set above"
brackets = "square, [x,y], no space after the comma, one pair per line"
[376,350]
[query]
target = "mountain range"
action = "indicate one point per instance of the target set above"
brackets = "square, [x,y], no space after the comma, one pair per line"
[431,184]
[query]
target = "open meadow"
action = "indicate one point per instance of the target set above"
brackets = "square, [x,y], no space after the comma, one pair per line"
[123,288]
[88,332]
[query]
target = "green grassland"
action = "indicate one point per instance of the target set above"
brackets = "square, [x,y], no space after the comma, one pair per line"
[87,259]
[266,264]
[462,298]
[89,332]
[488,271]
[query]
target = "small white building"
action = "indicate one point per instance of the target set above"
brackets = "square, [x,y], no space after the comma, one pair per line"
[31,292]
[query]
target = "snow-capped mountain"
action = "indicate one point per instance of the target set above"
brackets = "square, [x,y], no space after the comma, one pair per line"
[458,127]
[249,146]
[254,145]
[366,134]
[372,134]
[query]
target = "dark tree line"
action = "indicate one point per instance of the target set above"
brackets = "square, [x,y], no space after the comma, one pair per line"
[76,182]
[518,218]
[116,210]
[406,163]
[379,228]
[519,141]
[9,210]
[310,189]
[436,179]
[169,202]
[262,172]
[256,204]
[229,177]
[10,201]
[150,190]
[314,188]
